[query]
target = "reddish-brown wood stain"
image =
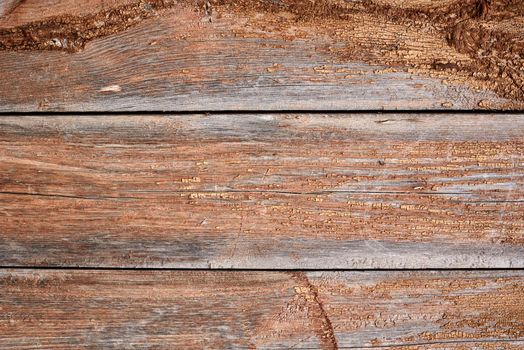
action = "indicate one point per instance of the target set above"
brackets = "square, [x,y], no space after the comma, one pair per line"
[214,218]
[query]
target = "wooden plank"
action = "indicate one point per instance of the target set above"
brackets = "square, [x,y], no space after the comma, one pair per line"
[261,310]
[263,191]
[189,55]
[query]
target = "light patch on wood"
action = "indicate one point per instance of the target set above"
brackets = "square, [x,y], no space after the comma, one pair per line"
[111,88]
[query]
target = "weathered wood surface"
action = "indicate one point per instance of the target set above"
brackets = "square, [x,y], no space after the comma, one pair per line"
[263,191]
[95,55]
[260,310]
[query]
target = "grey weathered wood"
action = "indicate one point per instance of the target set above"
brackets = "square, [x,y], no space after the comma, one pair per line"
[263,191]
[92,55]
[7,6]
[42,309]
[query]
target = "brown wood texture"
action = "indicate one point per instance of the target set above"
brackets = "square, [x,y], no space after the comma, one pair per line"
[189,55]
[263,191]
[261,310]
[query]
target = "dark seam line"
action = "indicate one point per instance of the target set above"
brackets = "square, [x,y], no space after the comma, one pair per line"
[160,269]
[69,196]
[280,111]
[268,192]
[436,343]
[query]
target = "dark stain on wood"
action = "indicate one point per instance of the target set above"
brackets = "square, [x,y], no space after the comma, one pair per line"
[483,8]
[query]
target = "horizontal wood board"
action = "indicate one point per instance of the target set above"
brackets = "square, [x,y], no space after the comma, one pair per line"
[263,191]
[261,310]
[192,55]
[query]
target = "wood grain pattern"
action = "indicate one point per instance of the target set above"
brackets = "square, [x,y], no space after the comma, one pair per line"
[192,55]
[263,191]
[8,6]
[260,310]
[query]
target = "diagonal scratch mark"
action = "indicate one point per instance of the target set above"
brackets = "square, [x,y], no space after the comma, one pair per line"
[318,317]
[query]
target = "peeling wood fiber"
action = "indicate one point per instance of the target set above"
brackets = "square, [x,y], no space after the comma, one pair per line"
[70,33]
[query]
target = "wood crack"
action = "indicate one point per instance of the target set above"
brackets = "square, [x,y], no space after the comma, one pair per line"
[290,193]
[440,342]
[318,317]
[53,195]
